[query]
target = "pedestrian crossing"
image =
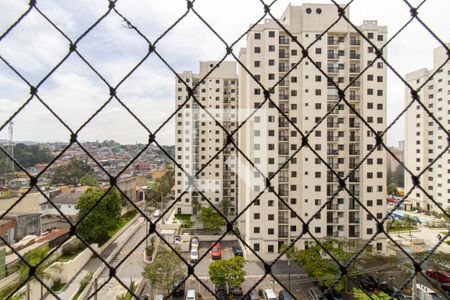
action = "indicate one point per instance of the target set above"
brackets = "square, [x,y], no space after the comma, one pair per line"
[136,252]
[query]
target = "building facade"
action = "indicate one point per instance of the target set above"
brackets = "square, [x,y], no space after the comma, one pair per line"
[424,139]
[199,138]
[342,140]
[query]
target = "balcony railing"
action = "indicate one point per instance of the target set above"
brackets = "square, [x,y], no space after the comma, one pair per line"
[332,97]
[355,69]
[332,56]
[283,151]
[283,69]
[283,40]
[283,97]
[353,179]
[332,41]
[354,97]
[283,179]
[283,138]
[332,152]
[355,83]
[354,234]
[283,124]
[332,70]
[355,42]
[353,138]
[283,55]
[354,124]
[353,152]
[332,125]
[332,138]
[355,56]
[282,234]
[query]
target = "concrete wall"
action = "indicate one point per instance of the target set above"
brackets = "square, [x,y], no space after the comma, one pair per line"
[29,204]
[65,271]
[8,281]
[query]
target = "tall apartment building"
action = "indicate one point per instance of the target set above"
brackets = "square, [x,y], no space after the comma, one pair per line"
[198,138]
[342,139]
[424,139]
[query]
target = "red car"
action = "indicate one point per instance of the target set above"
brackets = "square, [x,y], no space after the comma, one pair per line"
[441,277]
[216,251]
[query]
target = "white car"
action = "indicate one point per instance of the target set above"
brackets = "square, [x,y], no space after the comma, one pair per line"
[157,213]
[194,255]
[194,243]
[191,295]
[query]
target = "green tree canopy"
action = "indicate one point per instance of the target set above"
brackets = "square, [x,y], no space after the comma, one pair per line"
[88,179]
[392,189]
[211,219]
[97,224]
[227,271]
[164,271]
[71,173]
[34,258]
[360,295]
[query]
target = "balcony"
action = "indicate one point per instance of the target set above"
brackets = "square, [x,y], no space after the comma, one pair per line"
[354,234]
[332,70]
[354,97]
[355,83]
[332,206]
[355,69]
[282,234]
[283,138]
[352,112]
[354,125]
[332,56]
[283,124]
[283,55]
[333,138]
[333,220]
[283,40]
[283,221]
[284,109]
[353,179]
[283,69]
[332,97]
[284,83]
[353,138]
[355,56]
[354,206]
[332,41]
[333,165]
[283,151]
[353,152]
[332,152]
[282,179]
[283,97]
[355,42]
[332,125]
[332,179]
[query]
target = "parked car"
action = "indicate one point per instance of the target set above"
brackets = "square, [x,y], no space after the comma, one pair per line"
[253,295]
[236,291]
[269,294]
[392,291]
[194,255]
[221,292]
[191,295]
[284,295]
[178,288]
[194,242]
[157,213]
[216,251]
[237,251]
[446,287]
[368,283]
[440,276]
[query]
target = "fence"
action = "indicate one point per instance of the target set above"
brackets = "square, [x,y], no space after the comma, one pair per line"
[341,98]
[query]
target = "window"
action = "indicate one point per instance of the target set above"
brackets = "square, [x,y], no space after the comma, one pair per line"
[257,63]
[270,217]
[270,231]
[271,34]
[256,230]
[271,76]
[256,216]
[257,36]
[370,35]
[379,37]
[256,247]
[318,92]
[271,62]
[270,248]
[257,49]
[271,48]
[318,78]
[318,50]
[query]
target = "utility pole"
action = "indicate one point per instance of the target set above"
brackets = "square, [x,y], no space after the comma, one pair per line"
[413,289]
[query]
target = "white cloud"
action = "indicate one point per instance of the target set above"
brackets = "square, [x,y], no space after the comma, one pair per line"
[76,92]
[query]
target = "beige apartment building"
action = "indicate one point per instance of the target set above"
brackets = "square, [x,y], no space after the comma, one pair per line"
[199,138]
[342,140]
[424,139]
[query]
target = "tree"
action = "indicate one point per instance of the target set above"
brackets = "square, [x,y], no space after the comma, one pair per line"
[34,258]
[97,224]
[88,179]
[164,271]
[71,173]
[227,271]
[360,295]
[210,219]
[224,206]
[392,189]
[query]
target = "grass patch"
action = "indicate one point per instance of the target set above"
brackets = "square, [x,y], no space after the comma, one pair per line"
[58,286]
[400,229]
[186,221]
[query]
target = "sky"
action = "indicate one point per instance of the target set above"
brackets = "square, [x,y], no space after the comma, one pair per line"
[75,92]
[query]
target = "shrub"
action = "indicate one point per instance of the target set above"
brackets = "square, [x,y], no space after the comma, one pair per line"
[73,247]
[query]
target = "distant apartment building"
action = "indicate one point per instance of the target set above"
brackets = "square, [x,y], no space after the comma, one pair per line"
[342,140]
[199,138]
[425,140]
[393,163]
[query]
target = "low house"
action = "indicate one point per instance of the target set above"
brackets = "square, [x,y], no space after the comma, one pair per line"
[24,224]
[66,202]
